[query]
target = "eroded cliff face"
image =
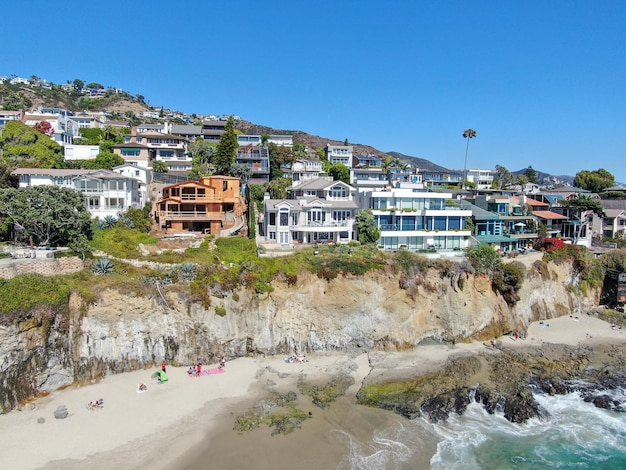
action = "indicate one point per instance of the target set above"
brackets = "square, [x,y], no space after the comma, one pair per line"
[121,332]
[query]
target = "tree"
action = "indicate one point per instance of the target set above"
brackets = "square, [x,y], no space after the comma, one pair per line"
[367,232]
[531,174]
[279,156]
[94,85]
[241,171]
[202,155]
[106,161]
[340,172]
[278,187]
[44,127]
[595,181]
[78,84]
[345,142]
[140,99]
[467,134]
[159,166]
[503,177]
[226,152]
[585,203]
[299,150]
[44,215]
[24,146]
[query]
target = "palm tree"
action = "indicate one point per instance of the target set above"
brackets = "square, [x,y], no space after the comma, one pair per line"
[468,134]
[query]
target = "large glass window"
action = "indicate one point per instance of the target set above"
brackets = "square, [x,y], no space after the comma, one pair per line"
[454,223]
[440,223]
[284,219]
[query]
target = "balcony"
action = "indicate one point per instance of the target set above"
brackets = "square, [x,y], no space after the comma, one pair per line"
[191,215]
[328,225]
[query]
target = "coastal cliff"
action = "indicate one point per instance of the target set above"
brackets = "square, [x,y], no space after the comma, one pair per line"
[376,311]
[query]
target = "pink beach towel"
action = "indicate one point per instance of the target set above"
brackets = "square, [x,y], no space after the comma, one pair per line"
[204,372]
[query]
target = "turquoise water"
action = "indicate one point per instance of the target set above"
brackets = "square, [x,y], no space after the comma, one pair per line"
[575,435]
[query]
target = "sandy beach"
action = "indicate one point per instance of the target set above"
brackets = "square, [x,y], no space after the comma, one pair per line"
[167,426]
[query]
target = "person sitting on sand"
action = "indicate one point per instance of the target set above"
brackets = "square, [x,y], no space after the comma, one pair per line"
[191,371]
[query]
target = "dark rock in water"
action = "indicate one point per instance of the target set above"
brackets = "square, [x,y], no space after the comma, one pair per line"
[604,401]
[439,408]
[488,398]
[61,412]
[521,407]
[41,420]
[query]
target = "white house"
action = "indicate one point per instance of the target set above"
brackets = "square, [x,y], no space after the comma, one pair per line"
[143,175]
[104,192]
[319,211]
[340,154]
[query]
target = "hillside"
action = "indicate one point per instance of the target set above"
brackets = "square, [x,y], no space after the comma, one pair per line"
[122,105]
[300,137]
[21,96]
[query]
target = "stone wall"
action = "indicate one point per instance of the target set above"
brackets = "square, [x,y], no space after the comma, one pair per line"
[44,267]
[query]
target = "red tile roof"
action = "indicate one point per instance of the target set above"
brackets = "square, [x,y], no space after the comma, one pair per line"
[535,203]
[548,215]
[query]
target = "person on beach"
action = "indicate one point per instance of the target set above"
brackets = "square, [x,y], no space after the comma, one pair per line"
[192,370]
[163,367]
[222,362]
[143,387]
[199,369]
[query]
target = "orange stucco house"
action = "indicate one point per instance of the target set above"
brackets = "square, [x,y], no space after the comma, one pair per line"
[212,205]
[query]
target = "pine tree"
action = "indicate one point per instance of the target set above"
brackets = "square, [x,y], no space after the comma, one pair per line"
[226,152]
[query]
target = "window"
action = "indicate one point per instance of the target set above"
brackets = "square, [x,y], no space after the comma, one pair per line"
[136,172]
[284,219]
[88,186]
[272,218]
[116,185]
[92,203]
[115,203]
[338,192]
[272,235]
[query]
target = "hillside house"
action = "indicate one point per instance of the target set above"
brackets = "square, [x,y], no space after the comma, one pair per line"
[414,219]
[212,205]
[318,211]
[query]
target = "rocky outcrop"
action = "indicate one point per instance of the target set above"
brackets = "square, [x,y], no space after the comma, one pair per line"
[123,332]
[506,382]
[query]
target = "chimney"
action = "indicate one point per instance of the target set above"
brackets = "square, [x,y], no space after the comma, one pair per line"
[133,134]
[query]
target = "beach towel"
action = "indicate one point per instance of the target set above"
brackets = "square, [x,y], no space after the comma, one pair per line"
[204,372]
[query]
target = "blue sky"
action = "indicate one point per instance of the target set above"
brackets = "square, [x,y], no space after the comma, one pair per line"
[542,82]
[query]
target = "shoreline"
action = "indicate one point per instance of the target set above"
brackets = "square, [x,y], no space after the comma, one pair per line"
[167,426]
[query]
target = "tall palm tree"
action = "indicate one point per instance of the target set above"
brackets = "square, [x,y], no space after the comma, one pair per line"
[468,134]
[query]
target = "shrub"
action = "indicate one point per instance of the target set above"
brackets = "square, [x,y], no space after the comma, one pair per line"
[508,279]
[484,259]
[186,272]
[102,267]
[221,311]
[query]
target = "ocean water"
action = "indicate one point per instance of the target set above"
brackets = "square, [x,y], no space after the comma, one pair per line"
[573,435]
